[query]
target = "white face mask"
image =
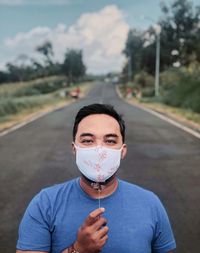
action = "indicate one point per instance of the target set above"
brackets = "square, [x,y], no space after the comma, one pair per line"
[98,163]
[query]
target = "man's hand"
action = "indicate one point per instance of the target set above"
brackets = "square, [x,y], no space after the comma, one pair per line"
[92,235]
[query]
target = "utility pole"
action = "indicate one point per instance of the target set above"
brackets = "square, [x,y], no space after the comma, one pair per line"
[157,72]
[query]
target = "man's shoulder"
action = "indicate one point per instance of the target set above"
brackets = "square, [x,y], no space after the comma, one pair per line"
[58,187]
[134,187]
[54,192]
[138,192]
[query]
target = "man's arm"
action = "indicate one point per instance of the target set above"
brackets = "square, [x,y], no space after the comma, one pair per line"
[91,236]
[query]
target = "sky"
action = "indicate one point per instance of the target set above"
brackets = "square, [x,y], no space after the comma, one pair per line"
[99,28]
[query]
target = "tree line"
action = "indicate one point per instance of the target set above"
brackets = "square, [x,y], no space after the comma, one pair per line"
[179,39]
[25,68]
[179,56]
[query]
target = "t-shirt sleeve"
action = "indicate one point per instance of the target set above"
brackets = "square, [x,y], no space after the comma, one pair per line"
[163,236]
[34,229]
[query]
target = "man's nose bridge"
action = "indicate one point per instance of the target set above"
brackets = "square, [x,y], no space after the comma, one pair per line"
[99,142]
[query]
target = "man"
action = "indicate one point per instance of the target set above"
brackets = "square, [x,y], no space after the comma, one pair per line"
[96,212]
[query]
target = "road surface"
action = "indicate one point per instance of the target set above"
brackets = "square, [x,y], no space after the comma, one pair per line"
[161,158]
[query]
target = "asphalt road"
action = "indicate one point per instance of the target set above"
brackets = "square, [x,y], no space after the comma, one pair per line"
[160,157]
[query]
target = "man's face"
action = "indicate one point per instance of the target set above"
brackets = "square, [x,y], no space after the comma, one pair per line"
[99,130]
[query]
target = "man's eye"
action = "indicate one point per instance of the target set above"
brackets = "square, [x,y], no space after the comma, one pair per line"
[86,141]
[111,141]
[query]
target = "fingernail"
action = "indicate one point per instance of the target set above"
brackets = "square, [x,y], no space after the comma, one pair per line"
[102,209]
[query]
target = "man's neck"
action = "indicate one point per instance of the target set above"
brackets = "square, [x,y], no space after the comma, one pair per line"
[103,191]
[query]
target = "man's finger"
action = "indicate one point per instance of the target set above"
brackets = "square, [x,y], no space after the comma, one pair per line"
[103,232]
[93,216]
[99,223]
[103,240]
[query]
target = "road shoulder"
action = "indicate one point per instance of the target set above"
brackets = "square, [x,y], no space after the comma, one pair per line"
[20,120]
[166,114]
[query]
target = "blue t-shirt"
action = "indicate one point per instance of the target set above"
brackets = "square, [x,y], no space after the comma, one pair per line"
[136,218]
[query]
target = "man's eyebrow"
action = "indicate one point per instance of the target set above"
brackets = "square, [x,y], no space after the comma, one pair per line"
[111,135]
[86,134]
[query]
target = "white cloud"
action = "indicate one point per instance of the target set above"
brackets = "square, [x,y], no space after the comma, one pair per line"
[23,38]
[101,35]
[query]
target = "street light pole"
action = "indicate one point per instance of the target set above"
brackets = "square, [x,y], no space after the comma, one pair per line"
[157,72]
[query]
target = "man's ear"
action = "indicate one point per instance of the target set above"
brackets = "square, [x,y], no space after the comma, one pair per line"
[73,148]
[124,151]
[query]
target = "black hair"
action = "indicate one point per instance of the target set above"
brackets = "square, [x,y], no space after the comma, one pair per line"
[99,109]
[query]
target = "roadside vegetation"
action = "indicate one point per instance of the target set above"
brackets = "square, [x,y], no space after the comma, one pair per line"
[19,101]
[179,61]
[28,85]
[17,97]
[32,88]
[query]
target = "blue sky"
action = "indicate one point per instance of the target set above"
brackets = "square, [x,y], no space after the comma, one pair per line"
[98,27]
[16,16]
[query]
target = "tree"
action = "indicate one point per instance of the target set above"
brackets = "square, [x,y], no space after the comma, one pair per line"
[179,39]
[73,66]
[180,31]
[47,50]
[15,72]
[139,53]
[4,77]
[133,49]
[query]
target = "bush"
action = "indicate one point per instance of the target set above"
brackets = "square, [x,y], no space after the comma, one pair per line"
[14,105]
[29,91]
[148,92]
[169,78]
[48,87]
[185,93]
[44,87]
[143,80]
[193,102]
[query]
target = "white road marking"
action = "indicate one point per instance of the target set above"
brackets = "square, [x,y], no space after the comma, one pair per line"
[19,125]
[159,115]
[171,121]
[40,115]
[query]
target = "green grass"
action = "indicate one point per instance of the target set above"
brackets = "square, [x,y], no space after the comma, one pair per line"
[18,97]
[11,89]
[27,97]
[179,88]
[179,113]
[9,106]
[185,93]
